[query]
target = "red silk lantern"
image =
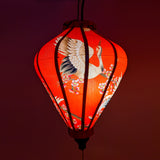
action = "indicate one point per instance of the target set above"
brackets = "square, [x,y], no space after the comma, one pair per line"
[81,71]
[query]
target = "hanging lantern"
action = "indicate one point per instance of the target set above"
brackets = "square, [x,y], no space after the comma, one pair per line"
[80,71]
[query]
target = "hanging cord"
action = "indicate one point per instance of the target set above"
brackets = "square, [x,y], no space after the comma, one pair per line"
[80,10]
[82,154]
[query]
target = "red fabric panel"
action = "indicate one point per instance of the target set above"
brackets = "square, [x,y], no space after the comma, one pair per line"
[71,63]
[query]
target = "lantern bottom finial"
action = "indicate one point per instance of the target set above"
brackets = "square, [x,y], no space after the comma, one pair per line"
[81,137]
[82,143]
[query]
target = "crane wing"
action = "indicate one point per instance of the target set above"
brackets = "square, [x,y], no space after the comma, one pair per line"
[74,51]
[73,47]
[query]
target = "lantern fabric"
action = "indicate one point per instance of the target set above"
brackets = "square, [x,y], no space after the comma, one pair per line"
[80,88]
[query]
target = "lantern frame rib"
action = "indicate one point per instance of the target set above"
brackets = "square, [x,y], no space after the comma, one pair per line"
[110,78]
[85,76]
[60,79]
[37,63]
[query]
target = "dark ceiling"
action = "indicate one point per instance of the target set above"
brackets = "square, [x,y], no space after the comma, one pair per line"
[30,127]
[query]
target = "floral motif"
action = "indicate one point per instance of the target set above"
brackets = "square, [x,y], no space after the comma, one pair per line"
[64,107]
[58,99]
[65,79]
[81,80]
[103,105]
[111,67]
[66,115]
[79,126]
[102,87]
[74,121]
[114,82]
[90,117]
[107,73]
[73,87]
[75,83]
[112,88]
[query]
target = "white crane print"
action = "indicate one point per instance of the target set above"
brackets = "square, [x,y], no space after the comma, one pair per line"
[74,61]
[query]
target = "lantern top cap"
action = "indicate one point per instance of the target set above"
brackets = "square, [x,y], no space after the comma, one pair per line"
[76,23]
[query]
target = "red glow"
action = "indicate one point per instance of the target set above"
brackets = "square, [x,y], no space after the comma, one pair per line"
[71,56]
